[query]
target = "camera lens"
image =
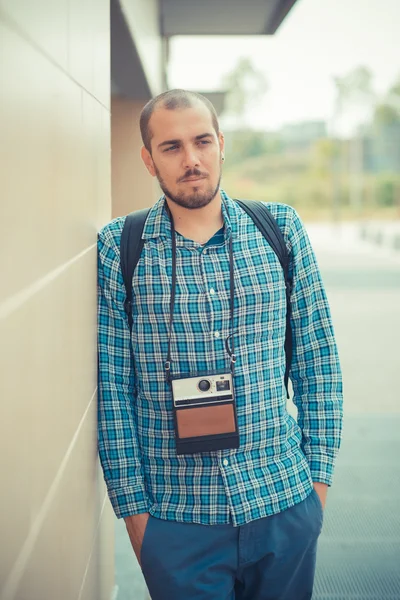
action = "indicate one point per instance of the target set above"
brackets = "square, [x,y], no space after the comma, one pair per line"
[204,385]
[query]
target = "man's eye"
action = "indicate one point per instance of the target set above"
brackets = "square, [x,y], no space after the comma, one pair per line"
[204,142]
[170,148]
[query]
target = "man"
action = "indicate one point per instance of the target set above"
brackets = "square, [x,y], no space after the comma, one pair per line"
[243,521]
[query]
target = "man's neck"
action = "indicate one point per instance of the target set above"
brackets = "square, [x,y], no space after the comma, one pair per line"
[198,224]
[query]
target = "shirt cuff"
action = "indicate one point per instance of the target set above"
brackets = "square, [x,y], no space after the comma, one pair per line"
[321,468]
[128,501]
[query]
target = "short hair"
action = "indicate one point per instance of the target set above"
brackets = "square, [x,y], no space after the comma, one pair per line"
[172,100]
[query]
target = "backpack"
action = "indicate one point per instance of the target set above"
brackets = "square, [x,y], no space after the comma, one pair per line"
[131,246]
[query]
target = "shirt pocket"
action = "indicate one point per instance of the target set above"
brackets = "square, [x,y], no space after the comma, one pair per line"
[261,309]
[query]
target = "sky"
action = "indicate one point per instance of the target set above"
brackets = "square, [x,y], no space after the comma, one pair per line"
[318,40]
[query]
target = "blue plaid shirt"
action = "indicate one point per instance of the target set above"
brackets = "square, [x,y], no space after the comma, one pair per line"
[278,457]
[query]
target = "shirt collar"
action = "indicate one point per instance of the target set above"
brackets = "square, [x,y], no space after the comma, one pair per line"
[158,223]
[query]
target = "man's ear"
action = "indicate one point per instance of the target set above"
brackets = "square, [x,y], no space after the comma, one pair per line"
[221,139]
[148,161]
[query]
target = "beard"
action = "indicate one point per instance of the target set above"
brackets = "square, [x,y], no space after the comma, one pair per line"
[194,199]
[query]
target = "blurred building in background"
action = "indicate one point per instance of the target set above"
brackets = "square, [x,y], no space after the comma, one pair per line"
[302,135]
[66,169]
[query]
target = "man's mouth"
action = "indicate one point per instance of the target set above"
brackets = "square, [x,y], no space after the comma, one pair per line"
[196,178]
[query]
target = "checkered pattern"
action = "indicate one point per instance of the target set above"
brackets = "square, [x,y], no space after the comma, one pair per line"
[278,457]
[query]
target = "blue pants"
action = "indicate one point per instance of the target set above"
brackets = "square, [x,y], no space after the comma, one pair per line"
[268,559]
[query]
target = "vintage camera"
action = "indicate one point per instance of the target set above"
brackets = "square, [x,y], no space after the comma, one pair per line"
[205,413]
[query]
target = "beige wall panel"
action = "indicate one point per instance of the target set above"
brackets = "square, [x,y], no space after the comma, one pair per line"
[89,46]
[103,172]
[49,159]
[55,194]
[94,165]
[102,51]
[56,566]
[106,553]
[132,185]
[105,537]
[45,22]
[48,368]
[99,580]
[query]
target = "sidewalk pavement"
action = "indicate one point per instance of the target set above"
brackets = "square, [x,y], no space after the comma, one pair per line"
[386,234]
[359,549]
[378,239]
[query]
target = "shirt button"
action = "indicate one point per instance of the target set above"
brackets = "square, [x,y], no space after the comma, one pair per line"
[212,291]
[225,462]
[217,334]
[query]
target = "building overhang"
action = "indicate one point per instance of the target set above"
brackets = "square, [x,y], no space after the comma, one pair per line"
[127,74]
[129,69]
[222,17]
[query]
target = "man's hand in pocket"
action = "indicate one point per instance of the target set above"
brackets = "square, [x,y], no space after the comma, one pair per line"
[136,526]
[322,491]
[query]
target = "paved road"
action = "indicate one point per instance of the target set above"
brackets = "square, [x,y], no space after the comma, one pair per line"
[359,550]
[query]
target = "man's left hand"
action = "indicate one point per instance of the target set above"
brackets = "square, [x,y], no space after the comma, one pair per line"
[322,491]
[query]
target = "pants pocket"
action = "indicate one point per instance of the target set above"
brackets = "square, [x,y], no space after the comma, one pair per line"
[146,540]
[319,508]
[318,500]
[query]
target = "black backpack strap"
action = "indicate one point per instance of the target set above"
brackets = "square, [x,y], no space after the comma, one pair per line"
[130,249]
[270,229]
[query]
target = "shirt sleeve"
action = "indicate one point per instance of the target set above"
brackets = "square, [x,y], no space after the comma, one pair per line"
[119,449]
[315,370]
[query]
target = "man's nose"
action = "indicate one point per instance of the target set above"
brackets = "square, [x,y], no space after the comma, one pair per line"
[191,158]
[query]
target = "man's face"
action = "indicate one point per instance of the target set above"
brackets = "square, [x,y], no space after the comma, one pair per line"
[185,155]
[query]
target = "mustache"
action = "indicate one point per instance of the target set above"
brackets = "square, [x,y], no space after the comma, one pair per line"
[192,173]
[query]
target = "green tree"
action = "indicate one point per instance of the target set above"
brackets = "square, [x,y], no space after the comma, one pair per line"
[393,96]
[354,88]
[245,86]
[385,145]
[385,115]
[387,112]
[354,95]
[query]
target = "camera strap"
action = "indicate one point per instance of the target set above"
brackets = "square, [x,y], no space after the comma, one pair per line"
[229,342]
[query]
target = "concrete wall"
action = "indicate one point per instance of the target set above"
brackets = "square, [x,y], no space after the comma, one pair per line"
[132,186]
[55,522]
